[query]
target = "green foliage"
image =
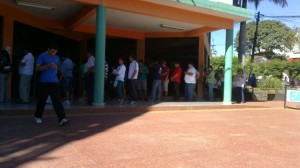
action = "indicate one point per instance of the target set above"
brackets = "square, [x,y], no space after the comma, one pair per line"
[272,35]
[219,63]
[273,68]
[270,82]
[294,70]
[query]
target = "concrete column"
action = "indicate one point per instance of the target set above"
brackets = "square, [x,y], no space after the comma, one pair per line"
[200,66]
[8,42]
[228,68]
[100,56]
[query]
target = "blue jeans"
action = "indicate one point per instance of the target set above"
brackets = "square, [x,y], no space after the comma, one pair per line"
[211,91]
[119,89]
[156,90]
[240,97]
[24,87]
[189,91]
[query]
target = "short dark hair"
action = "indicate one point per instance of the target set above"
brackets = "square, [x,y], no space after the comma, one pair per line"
[53,46]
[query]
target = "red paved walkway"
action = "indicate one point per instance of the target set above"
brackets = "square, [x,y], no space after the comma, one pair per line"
[214,138]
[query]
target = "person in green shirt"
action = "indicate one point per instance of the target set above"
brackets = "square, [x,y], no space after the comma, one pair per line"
[142,80]
[210,81]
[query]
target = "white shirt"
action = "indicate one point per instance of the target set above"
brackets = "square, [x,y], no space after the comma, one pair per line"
[133,66]
[28,65]
[191,78]
[89,64]
[120,72]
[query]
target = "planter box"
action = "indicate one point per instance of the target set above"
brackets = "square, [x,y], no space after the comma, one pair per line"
[260,96]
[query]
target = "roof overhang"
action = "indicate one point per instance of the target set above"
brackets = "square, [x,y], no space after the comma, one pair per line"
[137,18]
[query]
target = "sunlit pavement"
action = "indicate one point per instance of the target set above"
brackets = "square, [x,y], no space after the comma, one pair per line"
[264,137]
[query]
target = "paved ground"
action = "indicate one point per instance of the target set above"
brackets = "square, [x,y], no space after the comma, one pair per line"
[264,137]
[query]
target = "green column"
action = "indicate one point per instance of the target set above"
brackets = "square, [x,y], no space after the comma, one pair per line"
[228,67]
[100,56]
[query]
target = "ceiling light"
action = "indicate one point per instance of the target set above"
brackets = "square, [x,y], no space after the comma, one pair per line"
[172,27]
[35,5]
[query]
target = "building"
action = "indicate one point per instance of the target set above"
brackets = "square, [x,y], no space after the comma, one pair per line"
[140,20]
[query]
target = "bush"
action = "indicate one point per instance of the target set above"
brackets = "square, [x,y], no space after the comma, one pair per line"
[270,83]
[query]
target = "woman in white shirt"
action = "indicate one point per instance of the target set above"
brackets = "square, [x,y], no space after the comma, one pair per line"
[119,81]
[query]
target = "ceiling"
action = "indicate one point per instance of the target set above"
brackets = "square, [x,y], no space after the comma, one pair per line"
[64,10]
[79,15]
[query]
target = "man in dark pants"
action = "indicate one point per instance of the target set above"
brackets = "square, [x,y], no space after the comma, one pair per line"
[132,79]
[90,77]
[46,64]
[175,78]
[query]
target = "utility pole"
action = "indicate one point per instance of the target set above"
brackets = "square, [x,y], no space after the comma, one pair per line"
[255,37]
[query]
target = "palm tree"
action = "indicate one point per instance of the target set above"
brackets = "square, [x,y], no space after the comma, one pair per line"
[242,35]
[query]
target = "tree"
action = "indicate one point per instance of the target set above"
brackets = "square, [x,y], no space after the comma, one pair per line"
[218,63]
[242,35]
[272,36]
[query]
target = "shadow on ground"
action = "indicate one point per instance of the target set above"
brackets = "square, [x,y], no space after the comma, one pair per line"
[22,140]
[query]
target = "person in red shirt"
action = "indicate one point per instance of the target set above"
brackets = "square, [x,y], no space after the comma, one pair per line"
[175,79]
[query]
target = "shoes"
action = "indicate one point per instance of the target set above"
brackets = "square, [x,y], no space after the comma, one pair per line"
[64,122]
[133,102]
[38,120]
[67,103]
[120,101]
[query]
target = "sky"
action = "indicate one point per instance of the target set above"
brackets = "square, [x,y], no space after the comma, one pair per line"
[267,9]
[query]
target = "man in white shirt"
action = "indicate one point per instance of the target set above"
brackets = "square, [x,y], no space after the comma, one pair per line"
[26,72]
[190,81]
[89,77]
[132,79]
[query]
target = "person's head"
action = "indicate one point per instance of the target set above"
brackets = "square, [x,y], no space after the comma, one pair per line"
[210,67]
[52,49]
[253,75]
[90,53]
[240,71]
[121,61]
[141,62]
[164,63]
[190,64]
[131,57]
[176,64]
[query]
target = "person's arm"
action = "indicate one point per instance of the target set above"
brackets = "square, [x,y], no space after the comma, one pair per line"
[39,67]
[197,74]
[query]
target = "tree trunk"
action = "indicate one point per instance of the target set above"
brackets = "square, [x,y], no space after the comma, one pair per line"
[242,37]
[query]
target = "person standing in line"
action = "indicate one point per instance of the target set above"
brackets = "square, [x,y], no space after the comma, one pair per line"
[26,68]
[165,78]
[4,64]
[119,81]
[46,64]
[89,77]
[132,79]
[239,82]
[210,76]
[142,80]
[175,79]
[190,81]
[66,77]
[156,85]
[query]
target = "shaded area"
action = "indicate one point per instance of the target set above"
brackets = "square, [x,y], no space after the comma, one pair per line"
[22,141]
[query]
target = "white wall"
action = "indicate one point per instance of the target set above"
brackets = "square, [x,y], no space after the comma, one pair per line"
[224,1]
